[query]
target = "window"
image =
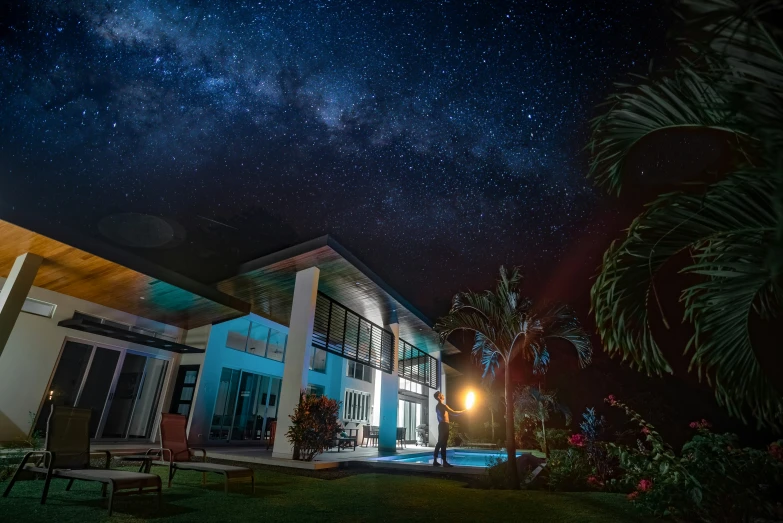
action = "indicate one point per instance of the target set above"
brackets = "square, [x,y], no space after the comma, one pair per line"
[411,386]
[356,406]
[318,390]
[318,360]
[360,371]
[258,339]
[39,308]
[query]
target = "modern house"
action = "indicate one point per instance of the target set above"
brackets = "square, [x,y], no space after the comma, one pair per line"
[87,324]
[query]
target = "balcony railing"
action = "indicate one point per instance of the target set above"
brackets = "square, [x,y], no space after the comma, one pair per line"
[418,366]
[339,330]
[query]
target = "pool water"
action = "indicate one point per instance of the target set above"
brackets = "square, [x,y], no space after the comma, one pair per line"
[458,458]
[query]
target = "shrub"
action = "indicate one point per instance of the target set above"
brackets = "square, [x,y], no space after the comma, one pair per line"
[314,425]
[496,472]
[568,469]
[711,480]
[556,439]
[454,438]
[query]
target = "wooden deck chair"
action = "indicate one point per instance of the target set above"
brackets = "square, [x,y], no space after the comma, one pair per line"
[67,456]
[177,455]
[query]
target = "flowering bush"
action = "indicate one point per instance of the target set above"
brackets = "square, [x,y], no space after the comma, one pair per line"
[776,450]
[569,470]
[700,425]
[314,425]
[576,440]
[711,480]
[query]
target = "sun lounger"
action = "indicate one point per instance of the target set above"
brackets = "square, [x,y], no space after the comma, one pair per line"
[67,456]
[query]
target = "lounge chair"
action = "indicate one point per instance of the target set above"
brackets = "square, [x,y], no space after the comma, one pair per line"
[67,456]
[269,437]
[177,455]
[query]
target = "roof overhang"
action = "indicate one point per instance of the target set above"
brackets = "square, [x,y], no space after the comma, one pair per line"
[99,273]
[267,283]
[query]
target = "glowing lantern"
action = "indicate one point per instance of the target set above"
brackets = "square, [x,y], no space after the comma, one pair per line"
[470,400]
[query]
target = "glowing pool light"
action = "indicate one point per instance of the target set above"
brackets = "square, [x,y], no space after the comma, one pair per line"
[470,400]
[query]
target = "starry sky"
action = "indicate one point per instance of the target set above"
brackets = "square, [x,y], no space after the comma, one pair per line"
[435,140]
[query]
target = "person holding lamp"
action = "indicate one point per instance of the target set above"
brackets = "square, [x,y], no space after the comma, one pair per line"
[442,411]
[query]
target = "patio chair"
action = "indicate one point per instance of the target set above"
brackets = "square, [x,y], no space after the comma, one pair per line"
[176,454]
[67,456]
[401,436]
[370,435]
[269,437]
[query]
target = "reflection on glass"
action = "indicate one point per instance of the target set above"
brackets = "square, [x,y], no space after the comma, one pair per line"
[66,381]
[237,335]
[246,405]
[144,412]
[224,404]
[276,349]
[318,360]
[127,387]
[256,343]
[96,387]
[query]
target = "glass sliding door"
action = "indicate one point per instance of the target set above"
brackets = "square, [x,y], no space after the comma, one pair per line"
[409,416]
[145,410]
[121,388]
[245,404]
[97,386]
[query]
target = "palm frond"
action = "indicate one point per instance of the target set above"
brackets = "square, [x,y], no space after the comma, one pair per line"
[684,100]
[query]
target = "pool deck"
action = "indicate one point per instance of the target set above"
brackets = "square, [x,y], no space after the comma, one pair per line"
[331,459]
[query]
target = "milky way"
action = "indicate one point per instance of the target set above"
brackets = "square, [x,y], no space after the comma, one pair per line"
[437,140]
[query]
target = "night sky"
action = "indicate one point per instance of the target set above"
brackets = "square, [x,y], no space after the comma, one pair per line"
[436,140]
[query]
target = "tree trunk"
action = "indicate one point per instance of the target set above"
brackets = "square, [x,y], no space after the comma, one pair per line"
[512,477]
[492,415]
[543,436]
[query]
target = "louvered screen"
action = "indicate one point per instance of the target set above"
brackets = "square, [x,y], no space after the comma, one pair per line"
[341,331]
[416,365]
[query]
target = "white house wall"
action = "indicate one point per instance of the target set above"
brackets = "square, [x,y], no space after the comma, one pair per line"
[32,351]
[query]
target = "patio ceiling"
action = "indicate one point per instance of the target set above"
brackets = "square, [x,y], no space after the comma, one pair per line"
[113,278]
[267,283]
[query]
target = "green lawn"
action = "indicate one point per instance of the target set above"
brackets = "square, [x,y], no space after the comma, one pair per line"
[286,497]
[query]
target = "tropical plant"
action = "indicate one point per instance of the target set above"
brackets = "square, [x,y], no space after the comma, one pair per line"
[507,326]
[537,404]
[713,479]
[494,404]
[556,439]
[729,83]
[314,425]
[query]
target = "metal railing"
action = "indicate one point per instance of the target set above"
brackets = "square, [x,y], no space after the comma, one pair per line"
[418,366]
[339,330]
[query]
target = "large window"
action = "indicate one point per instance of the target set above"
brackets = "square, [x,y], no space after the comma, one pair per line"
[258,339]
[411,386]
[317,390]
[356,406]
[245,405]
[318,360]
[360,372]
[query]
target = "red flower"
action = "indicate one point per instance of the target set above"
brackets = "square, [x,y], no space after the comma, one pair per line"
[776,451]
[611,399]
[632,496]
[701,425]
[577,440]
[645,430]
[645,485]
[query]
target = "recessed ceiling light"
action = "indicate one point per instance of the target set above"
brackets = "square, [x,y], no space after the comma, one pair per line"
[142,298]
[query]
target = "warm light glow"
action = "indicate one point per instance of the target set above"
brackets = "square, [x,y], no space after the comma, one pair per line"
[470,400]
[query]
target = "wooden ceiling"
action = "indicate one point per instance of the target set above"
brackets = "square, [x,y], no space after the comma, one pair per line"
[176,301]
[268,285]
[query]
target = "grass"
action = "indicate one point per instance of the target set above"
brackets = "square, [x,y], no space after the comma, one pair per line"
[283,496]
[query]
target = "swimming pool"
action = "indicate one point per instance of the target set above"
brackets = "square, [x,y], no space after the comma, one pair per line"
[458,458]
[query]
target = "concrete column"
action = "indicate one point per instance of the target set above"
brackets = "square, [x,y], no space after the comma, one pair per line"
[297,356]
[390,388]
[432,403]
[15,290]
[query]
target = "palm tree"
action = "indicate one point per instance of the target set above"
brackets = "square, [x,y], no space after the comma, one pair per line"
[535,403]
[729,83]
[507,326]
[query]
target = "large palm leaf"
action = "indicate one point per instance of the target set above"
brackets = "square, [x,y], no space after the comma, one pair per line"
[733,231]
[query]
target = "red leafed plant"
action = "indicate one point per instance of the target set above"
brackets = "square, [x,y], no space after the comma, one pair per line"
[314,425]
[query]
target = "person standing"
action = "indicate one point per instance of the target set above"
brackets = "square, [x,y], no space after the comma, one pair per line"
[442,410]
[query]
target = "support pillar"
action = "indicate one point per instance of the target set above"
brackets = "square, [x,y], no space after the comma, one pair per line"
[432,403]
[297,356]
[15,290]
[390,388]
